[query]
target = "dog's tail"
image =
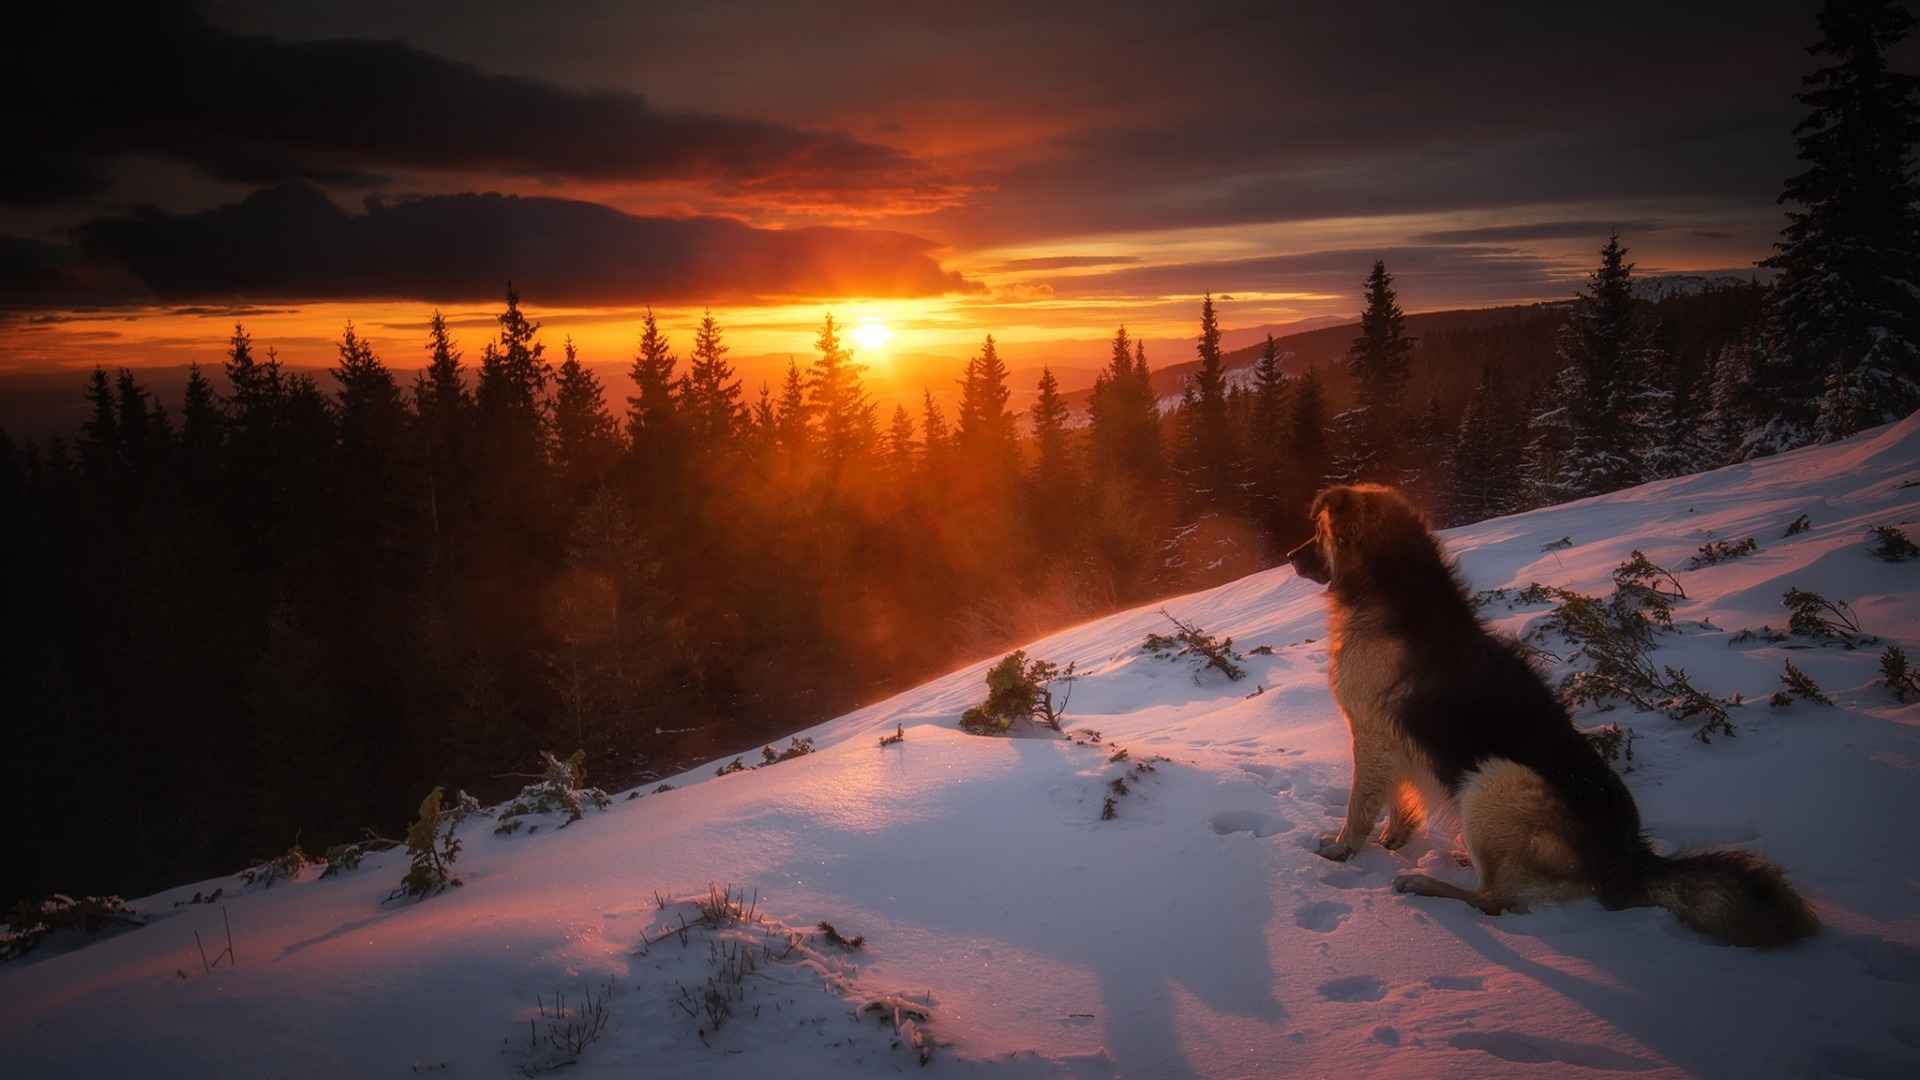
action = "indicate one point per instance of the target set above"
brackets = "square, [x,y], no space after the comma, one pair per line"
[1730,896]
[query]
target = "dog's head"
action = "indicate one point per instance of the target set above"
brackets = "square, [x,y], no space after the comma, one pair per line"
[1354,526]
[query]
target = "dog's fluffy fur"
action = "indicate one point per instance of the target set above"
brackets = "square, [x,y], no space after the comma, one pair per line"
[1449,719]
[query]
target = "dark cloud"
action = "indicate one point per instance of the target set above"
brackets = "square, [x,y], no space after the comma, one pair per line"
[162,82]
[293,243]
[1597,231]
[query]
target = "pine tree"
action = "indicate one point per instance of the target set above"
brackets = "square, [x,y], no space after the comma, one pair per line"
[794,426]
[1603,424]
[1306,442]
[1845,316]
[938,441]
[1050,415]
[1380,360]
[834,393]
[1267,429]
[584,439]
[201,434]
[900,447]
[513,381]
[763,425]
[1123,417]
[710,394]
[987,438]
[1482,478]
[652,413]
[372,416]
[100,434]
[1213,462]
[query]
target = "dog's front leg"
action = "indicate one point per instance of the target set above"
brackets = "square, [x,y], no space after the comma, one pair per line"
[1373,778]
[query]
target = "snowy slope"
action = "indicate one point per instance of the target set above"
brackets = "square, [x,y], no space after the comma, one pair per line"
[1194,935]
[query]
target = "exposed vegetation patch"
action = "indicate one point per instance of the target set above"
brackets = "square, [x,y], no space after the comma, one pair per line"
[1615,744]
[561,786]
[796,747]
[742,949]
[1798,525]
[1811,615]
[29,924]
[1715,552]
[1890,544]
[432,848]
[1797,684]
[1189,642]
[1020,690]
[562,1029]
[283,867]
[1897,675]
[899,736]
[1616,637]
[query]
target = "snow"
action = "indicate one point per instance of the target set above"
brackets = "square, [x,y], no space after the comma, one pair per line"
[1193,935]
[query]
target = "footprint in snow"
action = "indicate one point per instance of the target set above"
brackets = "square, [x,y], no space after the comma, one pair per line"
[1354,988]
[1258,823]
[1324,917]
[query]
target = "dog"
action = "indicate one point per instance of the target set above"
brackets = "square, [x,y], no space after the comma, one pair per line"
[1449,719]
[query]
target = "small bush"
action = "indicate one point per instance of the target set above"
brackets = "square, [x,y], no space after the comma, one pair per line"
[731,767]
[563,1031]
[1561,544]
[1891,545]
[1615,744]
[431,868]
[283,867]
[1617,638]
[562,786]
[1190,642]
[1814,616]
[1019,689]
[1798,525]
[28,924]
[1795,683]
[796,747]
[1715,552]
[833,937]
[1109,810]
[1640,572]
[899,736]
[1897,675]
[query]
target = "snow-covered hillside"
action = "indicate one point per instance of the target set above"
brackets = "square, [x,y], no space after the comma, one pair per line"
[1195,933]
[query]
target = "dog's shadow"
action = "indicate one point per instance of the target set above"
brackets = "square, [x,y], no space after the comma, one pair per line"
[1711,1010]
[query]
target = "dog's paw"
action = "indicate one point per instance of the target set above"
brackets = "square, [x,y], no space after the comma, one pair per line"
[1331,848]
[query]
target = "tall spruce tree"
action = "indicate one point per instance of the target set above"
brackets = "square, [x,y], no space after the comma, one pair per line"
[1482,470]
[1599,423]
[1213,465]
[1123,417]
[1049,414]
[1380,360]
[900,446]
[710,394]
[585,439]
[794,428]
[987,438]
[840,402]
[1267,429]
[1845,316]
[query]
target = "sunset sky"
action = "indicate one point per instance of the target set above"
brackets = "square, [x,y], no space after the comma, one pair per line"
[943,172]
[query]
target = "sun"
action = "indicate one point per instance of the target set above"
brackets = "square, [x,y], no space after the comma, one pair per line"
[871,335]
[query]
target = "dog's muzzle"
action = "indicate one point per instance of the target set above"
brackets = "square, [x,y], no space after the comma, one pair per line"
[1310,563]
